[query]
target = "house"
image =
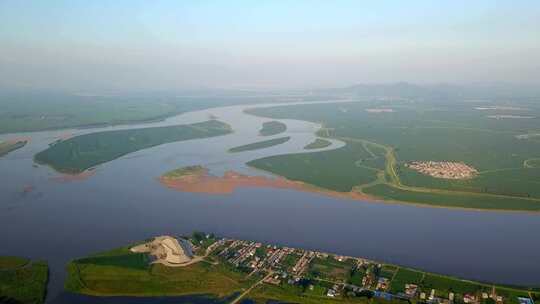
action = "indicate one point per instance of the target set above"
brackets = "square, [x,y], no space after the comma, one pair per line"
[411,289]
[469,298]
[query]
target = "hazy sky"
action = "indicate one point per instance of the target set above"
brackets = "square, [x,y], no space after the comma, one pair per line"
[254,44]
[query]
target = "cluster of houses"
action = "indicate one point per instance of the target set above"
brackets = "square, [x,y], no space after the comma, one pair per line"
[443,169]
[281,268]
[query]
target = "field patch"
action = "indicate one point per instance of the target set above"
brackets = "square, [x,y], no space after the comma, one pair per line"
[452,200]
[125,273]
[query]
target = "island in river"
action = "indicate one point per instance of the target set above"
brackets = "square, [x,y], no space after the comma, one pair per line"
[260,144]
[234,270]
[80,153]
[272,128]
[198,180]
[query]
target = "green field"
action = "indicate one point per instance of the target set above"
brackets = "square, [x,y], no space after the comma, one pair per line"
[121,272]
[38,110]
[319,143]
[508,177]
[260,144]
[6,147]
[295,294]
[79,153]
[272,128]
[338,170]
[330,269]
[22,281]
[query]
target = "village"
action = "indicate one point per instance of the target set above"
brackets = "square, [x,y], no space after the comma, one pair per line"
[443,169]
[335,276]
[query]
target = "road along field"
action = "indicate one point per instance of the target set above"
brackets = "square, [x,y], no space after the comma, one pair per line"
[381,145]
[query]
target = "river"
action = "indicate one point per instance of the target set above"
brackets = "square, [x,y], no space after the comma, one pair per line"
[42,217]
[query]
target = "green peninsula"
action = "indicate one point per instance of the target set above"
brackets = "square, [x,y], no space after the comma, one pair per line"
[22,280]
[260,144]
[238,270]
[435,153]
[82,152]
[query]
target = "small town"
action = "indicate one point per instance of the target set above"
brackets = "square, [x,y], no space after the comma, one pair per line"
[335,276]
[443,169]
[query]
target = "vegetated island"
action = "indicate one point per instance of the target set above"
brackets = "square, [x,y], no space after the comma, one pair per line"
[502,169]
[272,128]
[11,145]
[196,179]
[237,270]
[260,144]
[318,143]
[80,153]
[22,280]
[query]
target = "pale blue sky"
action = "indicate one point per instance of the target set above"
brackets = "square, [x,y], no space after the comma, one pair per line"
[174,44]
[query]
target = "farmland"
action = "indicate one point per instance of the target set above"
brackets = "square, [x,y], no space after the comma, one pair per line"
[419,131]
[80,153]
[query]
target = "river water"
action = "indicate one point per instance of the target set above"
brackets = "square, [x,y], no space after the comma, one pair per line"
[44,218]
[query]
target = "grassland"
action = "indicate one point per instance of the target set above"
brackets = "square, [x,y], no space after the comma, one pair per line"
[508,175]
[22,280]
[260,144]
[122,272]
[318,143]
[80,153]
[7,147]
[272,128]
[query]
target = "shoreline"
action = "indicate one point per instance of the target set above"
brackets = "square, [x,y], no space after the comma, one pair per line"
[231,180]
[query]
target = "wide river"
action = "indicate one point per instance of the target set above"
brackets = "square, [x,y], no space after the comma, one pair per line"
[46,217]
